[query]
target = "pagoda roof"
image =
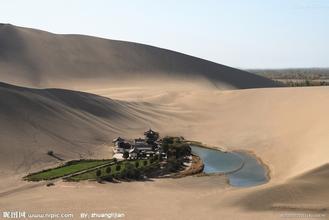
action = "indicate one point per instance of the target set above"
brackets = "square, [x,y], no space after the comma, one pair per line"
[118,139]
[150,131]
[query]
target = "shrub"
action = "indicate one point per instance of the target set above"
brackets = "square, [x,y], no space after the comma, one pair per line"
[136,174]
[137,164]
[50,184]
[108,178]
[118,168]
[98,173]
[108,170]
[50,153]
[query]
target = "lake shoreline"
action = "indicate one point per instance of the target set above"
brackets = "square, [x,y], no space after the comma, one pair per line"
[260,160]
[257,159]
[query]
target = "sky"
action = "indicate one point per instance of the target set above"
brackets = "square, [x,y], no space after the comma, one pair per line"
[238,33]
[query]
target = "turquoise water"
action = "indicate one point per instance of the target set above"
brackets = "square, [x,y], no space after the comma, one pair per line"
[242,169]
[216,161]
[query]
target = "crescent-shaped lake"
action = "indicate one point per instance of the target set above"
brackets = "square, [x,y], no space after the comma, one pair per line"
[241,168]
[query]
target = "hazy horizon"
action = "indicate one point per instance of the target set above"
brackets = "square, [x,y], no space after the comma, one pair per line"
[253,35]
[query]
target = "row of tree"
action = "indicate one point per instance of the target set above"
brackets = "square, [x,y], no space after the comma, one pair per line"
[131,170]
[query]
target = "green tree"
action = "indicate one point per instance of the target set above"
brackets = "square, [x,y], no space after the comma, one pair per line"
[129,171]
[137,174]
[108,170]
[98,173]
[168,140]
[125,155]
[109,178]
[165,148]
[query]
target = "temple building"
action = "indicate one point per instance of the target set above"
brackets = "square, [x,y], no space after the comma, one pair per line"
[138,146]
[120,145]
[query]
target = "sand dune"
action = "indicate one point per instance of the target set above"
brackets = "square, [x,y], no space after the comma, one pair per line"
[130,87]
[306,192]
[37,58]
[272,123]
[72,124]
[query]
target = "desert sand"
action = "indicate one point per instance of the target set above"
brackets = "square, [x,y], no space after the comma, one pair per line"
[41,59]
[125,88]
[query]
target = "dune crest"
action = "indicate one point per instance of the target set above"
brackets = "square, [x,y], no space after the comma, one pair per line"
[30,57]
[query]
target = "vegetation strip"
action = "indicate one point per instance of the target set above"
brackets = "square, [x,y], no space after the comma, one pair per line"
[68,168]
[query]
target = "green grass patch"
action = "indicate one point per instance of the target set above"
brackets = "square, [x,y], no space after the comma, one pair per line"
[66,169]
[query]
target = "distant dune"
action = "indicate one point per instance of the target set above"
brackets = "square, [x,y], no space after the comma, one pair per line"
[37,58]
